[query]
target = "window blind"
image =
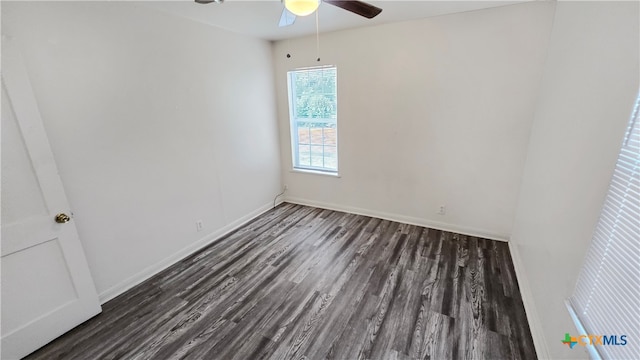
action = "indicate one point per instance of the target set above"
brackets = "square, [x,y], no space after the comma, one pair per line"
[606,299]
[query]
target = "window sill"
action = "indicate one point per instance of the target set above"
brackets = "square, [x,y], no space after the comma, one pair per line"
[315,172]
[593,352]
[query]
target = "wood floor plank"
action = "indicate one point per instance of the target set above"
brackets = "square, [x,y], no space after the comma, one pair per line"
[305,283]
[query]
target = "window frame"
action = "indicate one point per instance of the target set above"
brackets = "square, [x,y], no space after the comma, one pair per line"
[602,301]
[294,126]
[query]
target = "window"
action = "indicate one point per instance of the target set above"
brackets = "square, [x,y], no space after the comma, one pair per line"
[313,109]
[605,300]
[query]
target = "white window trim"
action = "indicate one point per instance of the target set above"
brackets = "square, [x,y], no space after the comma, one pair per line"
[293,130]
[593,352]
[315,172]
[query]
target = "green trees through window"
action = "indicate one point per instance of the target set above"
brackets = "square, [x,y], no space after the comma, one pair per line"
[315,94]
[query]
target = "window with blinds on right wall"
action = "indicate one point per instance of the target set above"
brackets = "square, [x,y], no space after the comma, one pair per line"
[606,300]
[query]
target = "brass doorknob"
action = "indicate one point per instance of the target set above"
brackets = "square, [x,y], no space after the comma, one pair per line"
[62,218]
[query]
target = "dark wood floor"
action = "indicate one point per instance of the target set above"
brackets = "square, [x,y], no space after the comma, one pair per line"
[306,283]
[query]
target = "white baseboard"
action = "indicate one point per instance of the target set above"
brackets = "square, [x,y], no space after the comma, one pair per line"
[145,274]
[402,219]
[542,350]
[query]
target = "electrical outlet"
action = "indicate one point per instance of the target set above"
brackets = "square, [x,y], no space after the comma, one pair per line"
[286,187]
[442,210]
[199,225]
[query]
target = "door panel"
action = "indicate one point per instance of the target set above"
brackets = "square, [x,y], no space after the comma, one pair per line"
[24,199]
[47,275]
[47,288]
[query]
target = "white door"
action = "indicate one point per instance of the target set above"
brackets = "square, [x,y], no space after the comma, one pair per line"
[46,285]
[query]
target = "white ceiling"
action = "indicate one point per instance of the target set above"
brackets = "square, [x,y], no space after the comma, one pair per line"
[260,18]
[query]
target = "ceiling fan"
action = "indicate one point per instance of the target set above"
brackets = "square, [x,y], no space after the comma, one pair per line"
[295,8]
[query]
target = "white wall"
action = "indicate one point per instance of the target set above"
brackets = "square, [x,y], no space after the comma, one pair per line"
[430,112]
[155,122]
[587,94]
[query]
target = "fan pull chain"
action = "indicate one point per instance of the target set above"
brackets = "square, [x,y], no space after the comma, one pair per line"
[317,36]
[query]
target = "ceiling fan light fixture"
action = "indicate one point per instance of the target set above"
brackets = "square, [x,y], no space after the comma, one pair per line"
[302,7]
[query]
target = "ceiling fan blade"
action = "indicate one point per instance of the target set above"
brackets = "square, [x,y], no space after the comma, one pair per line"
[287,18]
[357,7]
[209,1]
